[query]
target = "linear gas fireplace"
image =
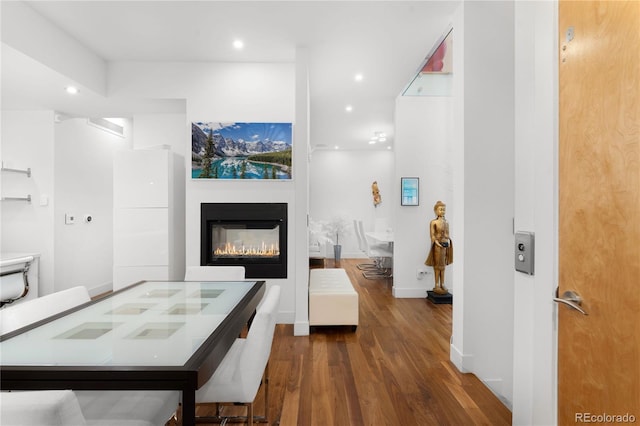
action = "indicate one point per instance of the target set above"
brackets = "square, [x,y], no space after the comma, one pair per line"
[253,235]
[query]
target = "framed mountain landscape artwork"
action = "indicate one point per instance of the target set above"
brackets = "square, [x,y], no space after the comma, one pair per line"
[241,150]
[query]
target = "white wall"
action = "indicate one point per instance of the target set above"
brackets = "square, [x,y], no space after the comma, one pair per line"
[152,130]
[340,186]
[243,92]
[534,346]
[83,176]
[40,39]
[301,186]
[28,141]
[482,340]
[423,149]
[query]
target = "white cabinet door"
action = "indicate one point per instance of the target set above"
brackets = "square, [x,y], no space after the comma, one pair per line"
[141,178]
[124,276]
[141,237]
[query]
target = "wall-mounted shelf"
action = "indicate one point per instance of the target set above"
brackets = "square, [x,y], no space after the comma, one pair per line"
[27,198]
[26,172]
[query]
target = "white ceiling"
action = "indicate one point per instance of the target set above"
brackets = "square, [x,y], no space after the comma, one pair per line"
[386,41]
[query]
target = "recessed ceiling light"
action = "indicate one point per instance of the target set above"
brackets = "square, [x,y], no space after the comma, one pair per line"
[358,77]
[348,108]
[72,90]
[238,44]
[378,137]
[336,147]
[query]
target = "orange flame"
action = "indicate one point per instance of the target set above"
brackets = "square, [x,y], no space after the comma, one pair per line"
[263,250]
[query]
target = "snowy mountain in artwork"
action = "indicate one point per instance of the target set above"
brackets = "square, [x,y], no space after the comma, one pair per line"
[240,139]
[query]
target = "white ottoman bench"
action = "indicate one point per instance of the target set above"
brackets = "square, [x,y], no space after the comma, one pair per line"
[332,299]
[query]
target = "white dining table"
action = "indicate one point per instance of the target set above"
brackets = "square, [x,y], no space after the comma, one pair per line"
[381,236]
[153,335]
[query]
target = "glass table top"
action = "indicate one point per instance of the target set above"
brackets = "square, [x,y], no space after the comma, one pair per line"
[151,324]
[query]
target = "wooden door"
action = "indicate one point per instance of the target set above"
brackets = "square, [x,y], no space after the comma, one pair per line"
[599,211]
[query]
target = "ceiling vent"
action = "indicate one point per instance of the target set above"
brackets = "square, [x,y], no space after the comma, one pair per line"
[107,126]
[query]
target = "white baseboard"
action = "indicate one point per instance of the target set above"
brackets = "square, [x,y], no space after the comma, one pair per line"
[301,328]
[409,293]
[497,387]
[464,363]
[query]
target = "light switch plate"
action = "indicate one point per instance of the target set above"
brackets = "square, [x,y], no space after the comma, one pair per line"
[524,250]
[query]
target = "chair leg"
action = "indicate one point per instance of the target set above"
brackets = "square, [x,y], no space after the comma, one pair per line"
[380,271]
[363,266]
[250,418]
[374,275]
[266,392]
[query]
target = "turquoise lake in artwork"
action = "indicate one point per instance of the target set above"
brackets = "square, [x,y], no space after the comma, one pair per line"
[240,168]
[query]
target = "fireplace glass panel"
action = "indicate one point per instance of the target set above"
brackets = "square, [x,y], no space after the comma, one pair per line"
[245,241]
[253,235]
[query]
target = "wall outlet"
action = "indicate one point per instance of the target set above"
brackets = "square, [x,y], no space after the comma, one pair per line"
[421,273]
[69,219]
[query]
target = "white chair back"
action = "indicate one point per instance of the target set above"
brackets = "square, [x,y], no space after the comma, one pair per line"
[214,273]
[365,242]
[270,302]
[359,236]
[255,353]
[40,408]
[30,311]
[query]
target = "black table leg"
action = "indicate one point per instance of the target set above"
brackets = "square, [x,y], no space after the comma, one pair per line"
[188,407]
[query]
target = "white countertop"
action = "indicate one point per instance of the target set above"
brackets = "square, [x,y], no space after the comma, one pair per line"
[9,258]
[5,256]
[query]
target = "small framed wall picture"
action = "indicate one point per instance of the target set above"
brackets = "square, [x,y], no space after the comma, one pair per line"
[409,190]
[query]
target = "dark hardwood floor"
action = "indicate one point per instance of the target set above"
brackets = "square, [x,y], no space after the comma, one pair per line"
[393,370]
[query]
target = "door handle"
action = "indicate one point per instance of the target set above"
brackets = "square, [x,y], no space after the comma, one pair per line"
[571,299]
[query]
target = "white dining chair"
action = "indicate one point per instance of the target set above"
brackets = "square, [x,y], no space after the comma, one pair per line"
[40,408]
[65,408]
[126,407]
[214,273]
[363,248]
[378,254]
[245,367]
[108,406]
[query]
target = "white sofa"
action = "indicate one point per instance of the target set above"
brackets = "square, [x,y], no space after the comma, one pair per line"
[332,298]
